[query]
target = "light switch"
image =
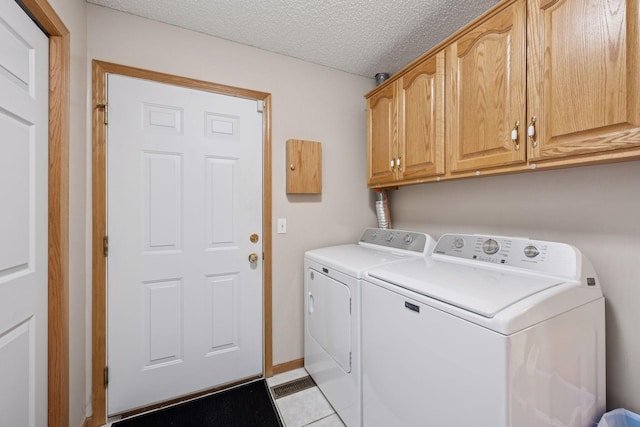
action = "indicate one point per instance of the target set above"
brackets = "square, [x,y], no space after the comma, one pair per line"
[282,225]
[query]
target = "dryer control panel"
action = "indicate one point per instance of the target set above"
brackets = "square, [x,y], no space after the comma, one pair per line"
[556,259]
[411,241]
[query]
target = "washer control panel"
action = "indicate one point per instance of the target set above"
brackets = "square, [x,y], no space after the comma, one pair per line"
[546,257]
[398,239]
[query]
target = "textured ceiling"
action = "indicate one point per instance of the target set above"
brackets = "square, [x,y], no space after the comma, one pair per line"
[362,37]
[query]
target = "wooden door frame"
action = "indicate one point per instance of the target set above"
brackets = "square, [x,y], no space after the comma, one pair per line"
[99,317]
[58,251]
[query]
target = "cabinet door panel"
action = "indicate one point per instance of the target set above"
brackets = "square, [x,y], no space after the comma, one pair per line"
[420,118]
[584,76]
[382,133]
[486,92]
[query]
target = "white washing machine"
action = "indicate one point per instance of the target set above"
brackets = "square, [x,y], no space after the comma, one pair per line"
[332,310]
[488,332]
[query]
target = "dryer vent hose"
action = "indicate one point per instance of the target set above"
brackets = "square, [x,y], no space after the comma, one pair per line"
[382,209]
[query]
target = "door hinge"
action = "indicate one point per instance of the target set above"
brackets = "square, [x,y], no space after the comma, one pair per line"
[260,106]
[106,376]
[105,246]
[105,112]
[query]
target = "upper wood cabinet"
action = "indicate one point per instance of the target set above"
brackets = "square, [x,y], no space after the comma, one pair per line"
[381,131]
[421,120]
[486,78]
[406,126]
[584,76]
[530,84]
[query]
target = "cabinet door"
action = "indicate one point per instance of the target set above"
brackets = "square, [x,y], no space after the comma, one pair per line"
[584,77]
[421,120]
[382,133]
[486,92]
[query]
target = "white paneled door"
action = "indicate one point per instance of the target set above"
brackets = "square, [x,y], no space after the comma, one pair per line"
[184,178]
[24,79]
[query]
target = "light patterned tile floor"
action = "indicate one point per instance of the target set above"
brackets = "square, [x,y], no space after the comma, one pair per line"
[304,408]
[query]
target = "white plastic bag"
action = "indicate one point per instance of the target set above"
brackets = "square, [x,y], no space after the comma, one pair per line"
[620,418]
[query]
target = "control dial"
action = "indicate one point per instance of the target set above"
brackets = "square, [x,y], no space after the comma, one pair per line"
[390,237]
[531,251]
[458,243]
[408,238]
[490,247]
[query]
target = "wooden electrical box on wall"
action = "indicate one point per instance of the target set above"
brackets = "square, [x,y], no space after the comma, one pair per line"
[304,167]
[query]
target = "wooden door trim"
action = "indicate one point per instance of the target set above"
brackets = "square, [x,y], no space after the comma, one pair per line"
[99,318]
[58,234]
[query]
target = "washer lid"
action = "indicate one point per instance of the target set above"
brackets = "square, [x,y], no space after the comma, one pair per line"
[354,259]
[482,291]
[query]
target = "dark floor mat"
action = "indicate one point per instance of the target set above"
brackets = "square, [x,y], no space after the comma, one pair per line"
[243,406]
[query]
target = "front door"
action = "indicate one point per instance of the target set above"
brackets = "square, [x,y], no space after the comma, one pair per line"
[24,77]
[184,197]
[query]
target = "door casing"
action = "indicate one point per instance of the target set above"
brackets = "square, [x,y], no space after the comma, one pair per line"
[58,258]
[100,69]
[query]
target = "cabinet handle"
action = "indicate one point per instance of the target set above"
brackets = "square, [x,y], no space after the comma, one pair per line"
[531,132]
[514,135]
[398,163]
[393,165]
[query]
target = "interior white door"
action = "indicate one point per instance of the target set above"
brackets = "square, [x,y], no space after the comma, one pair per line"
[184,180]
[24,74]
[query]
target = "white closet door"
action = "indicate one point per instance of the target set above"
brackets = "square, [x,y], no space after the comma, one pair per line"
[24,106]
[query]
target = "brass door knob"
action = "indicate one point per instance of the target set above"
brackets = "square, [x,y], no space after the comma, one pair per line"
[253,258]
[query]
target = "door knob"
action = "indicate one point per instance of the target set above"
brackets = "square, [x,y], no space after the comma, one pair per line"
[253,258]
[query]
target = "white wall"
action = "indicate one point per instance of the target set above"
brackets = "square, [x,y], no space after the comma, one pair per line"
[73,14]
[595,208]
[309,102]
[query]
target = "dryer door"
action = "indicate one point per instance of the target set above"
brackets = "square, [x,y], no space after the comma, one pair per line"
[329,317]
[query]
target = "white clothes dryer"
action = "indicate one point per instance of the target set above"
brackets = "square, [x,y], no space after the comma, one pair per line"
[489,332]
[332,310]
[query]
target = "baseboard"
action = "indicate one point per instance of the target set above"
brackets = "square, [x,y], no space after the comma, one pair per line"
[288,366]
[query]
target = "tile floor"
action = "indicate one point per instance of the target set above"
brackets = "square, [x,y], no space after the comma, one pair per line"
[304,408]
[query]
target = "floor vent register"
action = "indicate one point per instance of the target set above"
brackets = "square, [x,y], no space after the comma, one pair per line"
[293,386]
